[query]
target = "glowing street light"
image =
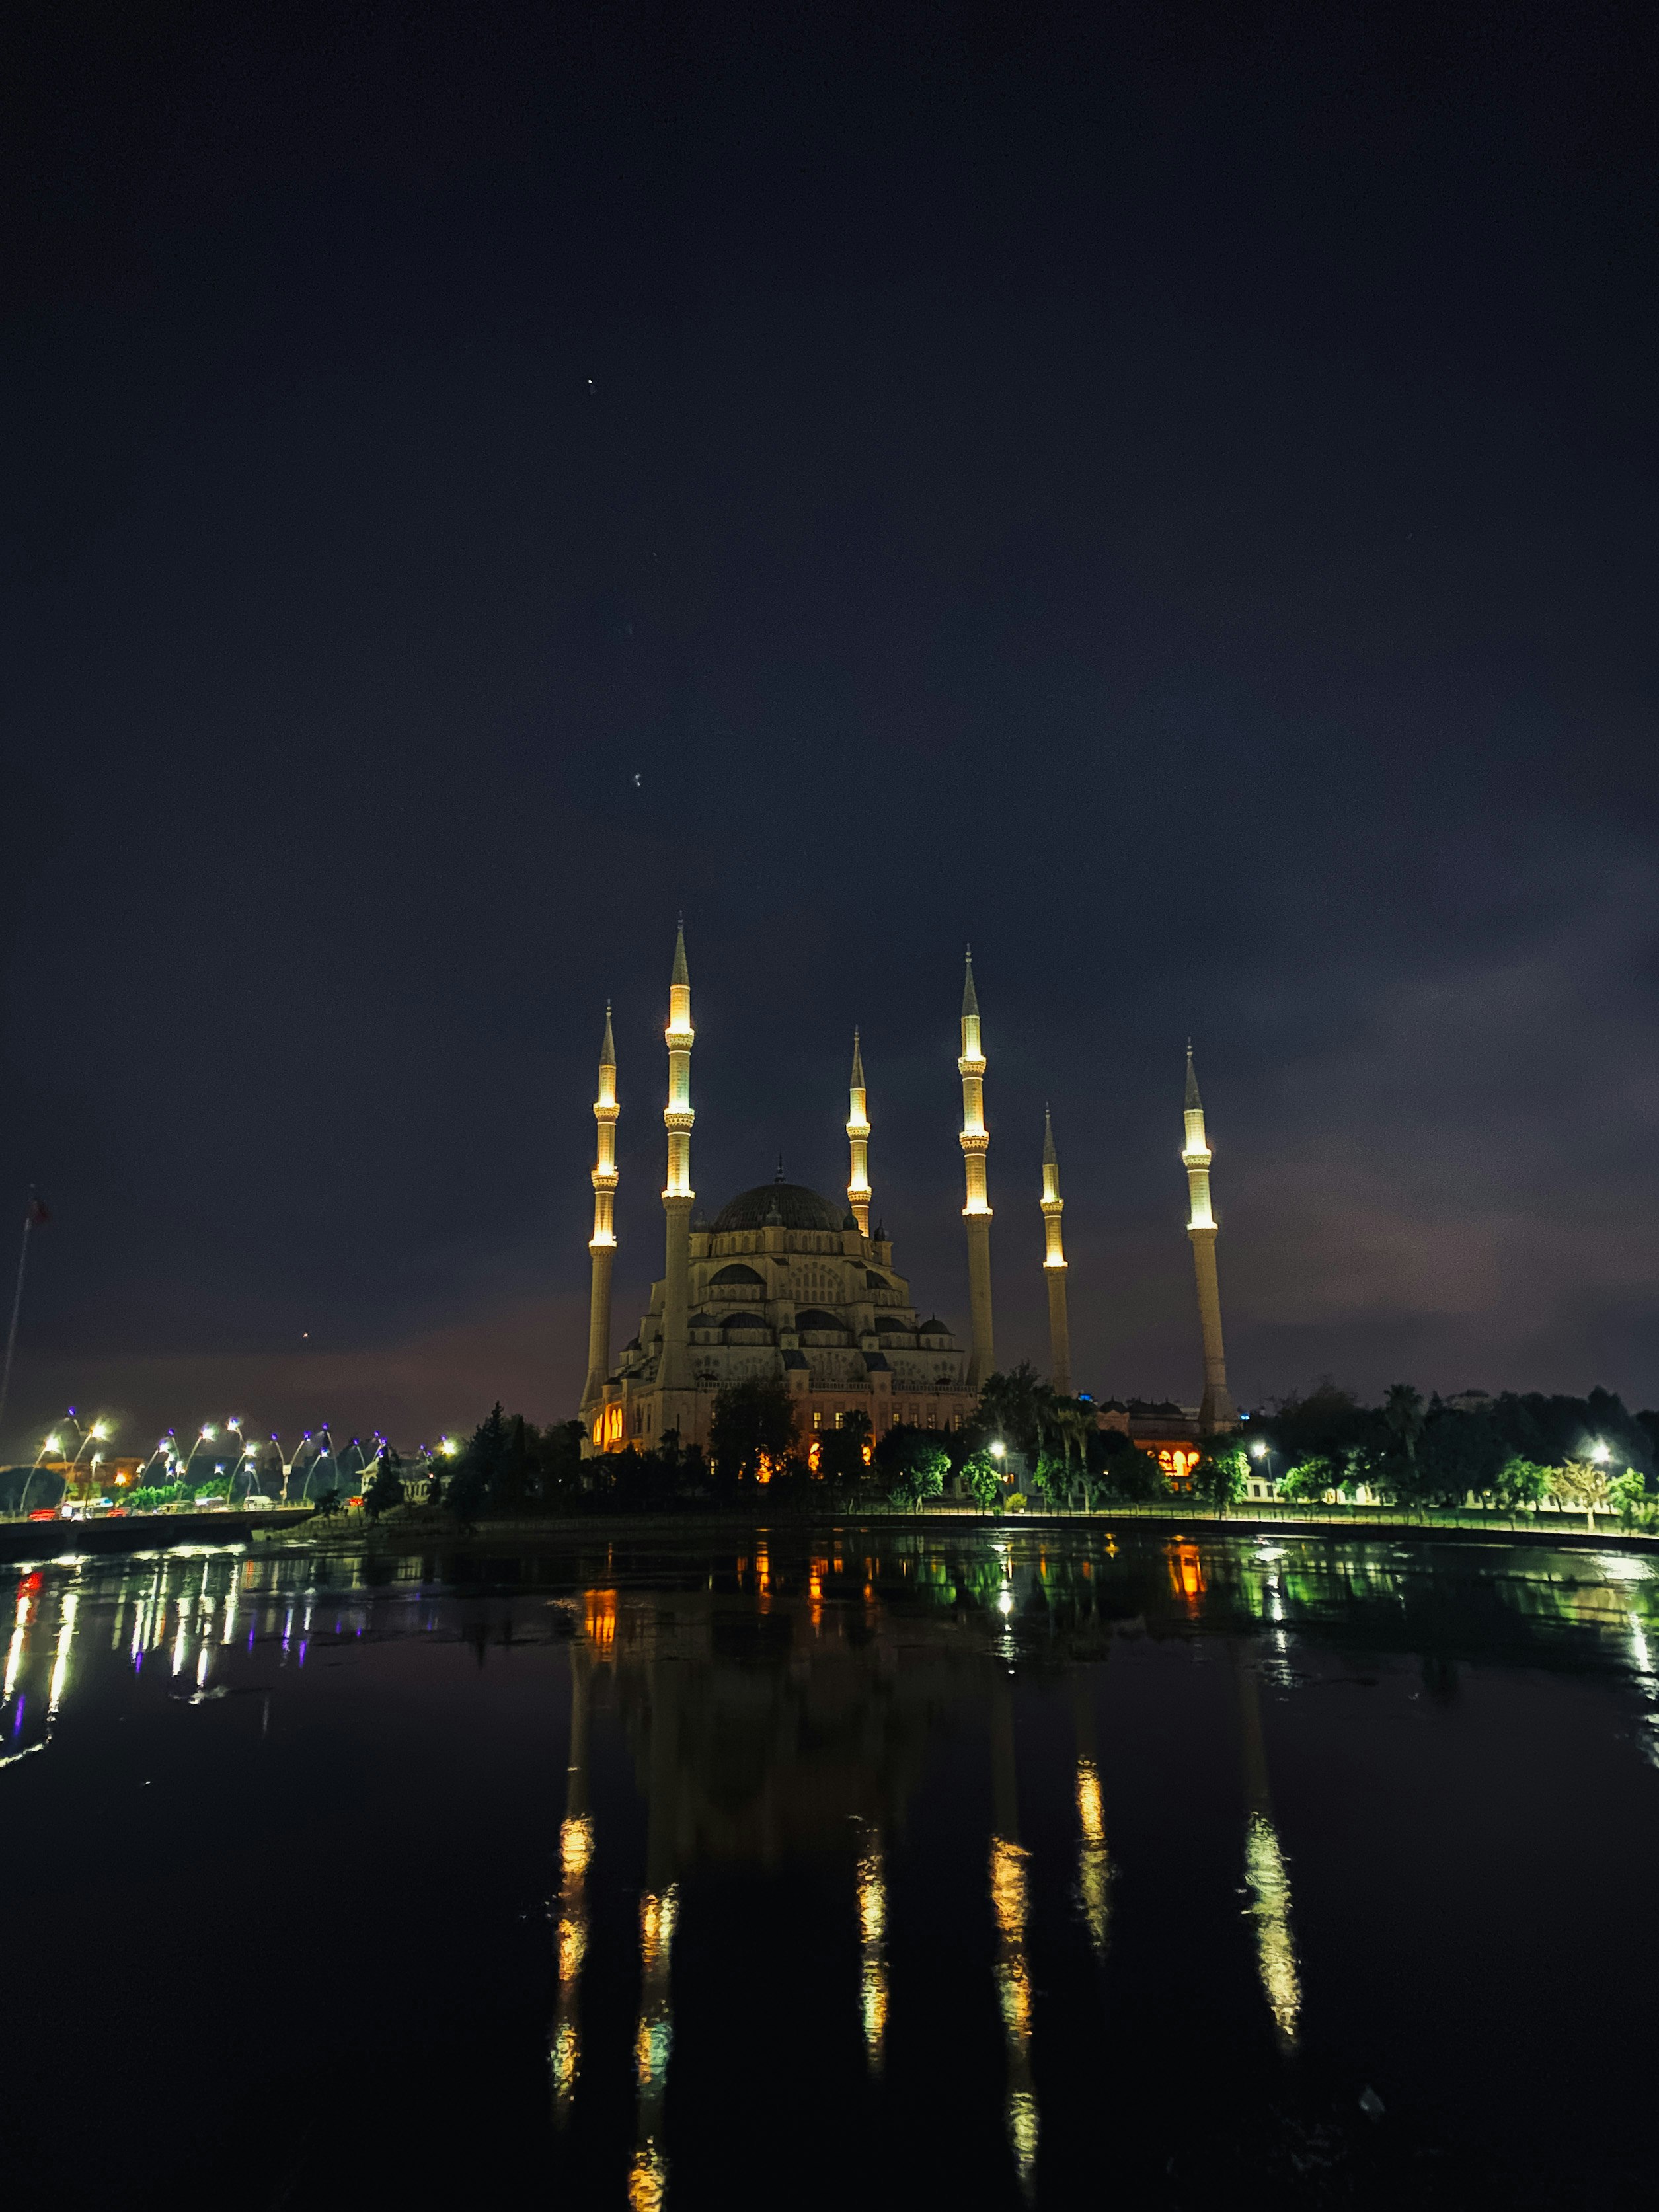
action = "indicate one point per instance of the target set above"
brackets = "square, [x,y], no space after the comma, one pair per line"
[998,1449]
[50,1447]
[1600,1453]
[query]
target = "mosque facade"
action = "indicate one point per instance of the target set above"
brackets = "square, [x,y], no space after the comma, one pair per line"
[785,1285]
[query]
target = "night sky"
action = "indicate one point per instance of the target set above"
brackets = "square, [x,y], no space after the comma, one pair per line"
[1165,494]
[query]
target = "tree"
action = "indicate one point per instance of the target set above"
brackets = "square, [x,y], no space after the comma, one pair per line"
[922,1476]
[1521,1482]
[840,1451]
[751,1421]
[1327,1427]
[903,1444]
[1628,1493]
[1402,1409]
[982,1479]
[1584,1483]
[1219,1476]
[556,1452]
[1127,1472]
[1457,1453]
[1016,1408]
[1052,1478]
[386,1489]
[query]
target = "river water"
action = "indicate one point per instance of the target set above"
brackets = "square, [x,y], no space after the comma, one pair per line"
[862,1866]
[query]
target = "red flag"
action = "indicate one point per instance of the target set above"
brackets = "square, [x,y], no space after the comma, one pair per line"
[37,1215]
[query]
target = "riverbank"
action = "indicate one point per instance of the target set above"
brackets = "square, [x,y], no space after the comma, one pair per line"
[138,1532]
[353,1532]
[32,1542]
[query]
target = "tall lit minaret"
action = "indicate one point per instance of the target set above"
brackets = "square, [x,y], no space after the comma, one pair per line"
[602,1242]
[1054,1266]
[674,1367]
[1217,1411]
[975,1143]
[858,1136]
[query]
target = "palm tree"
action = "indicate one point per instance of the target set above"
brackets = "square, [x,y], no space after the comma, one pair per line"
[1402,1409]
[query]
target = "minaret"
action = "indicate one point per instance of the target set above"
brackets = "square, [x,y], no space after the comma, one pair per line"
[1054,1266]
[858,1136]
[975,1143]
[1217,1410]
[602,1242]
[674,1366]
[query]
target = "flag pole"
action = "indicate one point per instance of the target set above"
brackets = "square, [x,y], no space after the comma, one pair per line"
[16,1304]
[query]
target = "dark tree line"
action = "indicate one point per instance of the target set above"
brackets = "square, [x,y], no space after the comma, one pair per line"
[1023,1437]
[1521,1447]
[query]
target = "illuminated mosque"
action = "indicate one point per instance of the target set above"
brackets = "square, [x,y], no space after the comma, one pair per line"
[788,1286]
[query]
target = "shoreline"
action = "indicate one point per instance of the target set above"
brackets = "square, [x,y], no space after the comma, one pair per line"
[49,1542]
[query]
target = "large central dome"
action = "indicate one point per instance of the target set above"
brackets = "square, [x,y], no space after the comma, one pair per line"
[795,1206]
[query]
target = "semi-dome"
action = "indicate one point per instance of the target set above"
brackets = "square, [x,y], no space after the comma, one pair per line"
[790,1203]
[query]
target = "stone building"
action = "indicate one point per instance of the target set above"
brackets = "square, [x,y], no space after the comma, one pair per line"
[782,1283]
[785,1284]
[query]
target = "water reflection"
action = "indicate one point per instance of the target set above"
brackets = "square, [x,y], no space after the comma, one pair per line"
[733,1715]
[570,1920]
[1094,1865]
[1265,1874]
[872,1947]
[1010,1906]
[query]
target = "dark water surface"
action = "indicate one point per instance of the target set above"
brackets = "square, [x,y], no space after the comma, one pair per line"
[850,1868]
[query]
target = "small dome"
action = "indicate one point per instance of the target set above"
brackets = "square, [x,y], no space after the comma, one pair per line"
[815,1317]
[737,1272]
[933,1327]
[788,1203]
[738,1320]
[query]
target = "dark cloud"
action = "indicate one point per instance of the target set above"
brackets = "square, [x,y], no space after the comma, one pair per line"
[1169,504]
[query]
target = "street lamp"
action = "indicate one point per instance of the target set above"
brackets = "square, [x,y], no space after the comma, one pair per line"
[205,1436]
[49,1445]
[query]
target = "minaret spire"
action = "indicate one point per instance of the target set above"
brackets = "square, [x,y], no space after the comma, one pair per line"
[858,1136]
[602,1245]
[1217,1410]
[674,1363]
[975,1143]
[1054,1266]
